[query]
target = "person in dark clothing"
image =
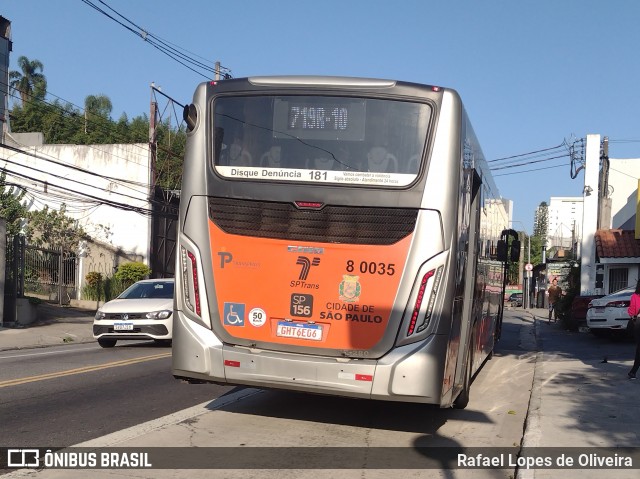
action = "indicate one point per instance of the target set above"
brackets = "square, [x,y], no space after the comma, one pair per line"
[555,292]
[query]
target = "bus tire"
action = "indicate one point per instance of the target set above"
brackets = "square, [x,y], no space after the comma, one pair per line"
[463,398]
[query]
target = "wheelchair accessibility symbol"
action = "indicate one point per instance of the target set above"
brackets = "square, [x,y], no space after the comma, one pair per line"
[234,314]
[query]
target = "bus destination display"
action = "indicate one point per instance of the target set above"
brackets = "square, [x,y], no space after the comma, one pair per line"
[328,117]
[319,118]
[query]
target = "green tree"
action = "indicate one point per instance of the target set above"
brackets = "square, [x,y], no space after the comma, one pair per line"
[66,124]
[12,208]
[53,229]
[540,227]
[99,105]
[541,220]
[97,119]
[29,82]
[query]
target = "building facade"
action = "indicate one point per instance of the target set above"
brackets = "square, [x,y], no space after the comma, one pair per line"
[564,225]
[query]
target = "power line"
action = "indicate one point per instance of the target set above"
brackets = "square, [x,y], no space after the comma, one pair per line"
[99,201]
[109,128]
[158,43]
[73,167]
[529,162]
[73,181]
[62,111]
[564,143]
[527,171]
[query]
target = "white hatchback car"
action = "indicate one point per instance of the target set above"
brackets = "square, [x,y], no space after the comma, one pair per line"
[142,311]
[608,314]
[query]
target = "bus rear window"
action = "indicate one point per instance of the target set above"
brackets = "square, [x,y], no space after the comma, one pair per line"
[342,140]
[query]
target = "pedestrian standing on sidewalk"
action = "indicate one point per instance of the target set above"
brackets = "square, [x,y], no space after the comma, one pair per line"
[634,310]
[555,292]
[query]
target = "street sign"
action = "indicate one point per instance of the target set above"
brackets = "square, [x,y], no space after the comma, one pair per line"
[528,267]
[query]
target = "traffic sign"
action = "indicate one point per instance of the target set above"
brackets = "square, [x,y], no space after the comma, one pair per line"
[528,267]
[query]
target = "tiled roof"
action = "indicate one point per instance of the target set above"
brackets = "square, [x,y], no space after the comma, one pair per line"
[617,244]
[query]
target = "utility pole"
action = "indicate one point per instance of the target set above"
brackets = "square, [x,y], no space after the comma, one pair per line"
[153,147]
[153,157]
[604,203]
[217,71]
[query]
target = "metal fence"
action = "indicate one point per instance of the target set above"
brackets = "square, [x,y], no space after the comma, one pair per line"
[48,274]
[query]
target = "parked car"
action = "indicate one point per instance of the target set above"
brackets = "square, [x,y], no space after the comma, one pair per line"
[608,314]
[142,311]
[515,299]
[577,316]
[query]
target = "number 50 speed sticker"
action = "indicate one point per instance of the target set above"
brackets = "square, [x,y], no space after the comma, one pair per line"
[257,317]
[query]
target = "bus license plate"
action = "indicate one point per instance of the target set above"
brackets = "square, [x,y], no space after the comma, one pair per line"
[123,326]
[311,332]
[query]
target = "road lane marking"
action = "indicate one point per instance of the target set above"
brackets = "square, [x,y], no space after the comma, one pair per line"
[61,351]
[86,369]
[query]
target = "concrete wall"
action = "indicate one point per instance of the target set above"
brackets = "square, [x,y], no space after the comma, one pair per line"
[623,179]
[101,258]
[85,178]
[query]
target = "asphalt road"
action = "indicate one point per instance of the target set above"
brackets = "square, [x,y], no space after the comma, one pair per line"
[60,396]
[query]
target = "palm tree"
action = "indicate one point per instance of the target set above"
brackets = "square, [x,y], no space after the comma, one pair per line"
[30,81]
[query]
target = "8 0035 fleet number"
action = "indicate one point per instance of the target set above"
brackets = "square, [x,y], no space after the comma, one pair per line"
[371,267]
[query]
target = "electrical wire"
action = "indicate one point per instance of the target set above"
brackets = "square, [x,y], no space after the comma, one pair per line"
[564,143]
[63,111]
[171,50]
[529,162]
[528,171]
[99,201]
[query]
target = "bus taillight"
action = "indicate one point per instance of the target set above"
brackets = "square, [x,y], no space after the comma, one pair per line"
[432,299]
[189,263]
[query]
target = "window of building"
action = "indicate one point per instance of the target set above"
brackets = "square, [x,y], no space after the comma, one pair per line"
[618,279]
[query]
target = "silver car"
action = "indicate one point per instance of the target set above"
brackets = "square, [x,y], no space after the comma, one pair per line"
[142,311]
[608,314]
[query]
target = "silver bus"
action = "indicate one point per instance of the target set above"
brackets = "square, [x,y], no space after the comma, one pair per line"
[336,236]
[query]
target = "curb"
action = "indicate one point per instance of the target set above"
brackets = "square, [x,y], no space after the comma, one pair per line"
[532,431]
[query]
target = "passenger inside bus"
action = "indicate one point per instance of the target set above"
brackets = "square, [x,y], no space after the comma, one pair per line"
[236,154]
[321,163]
[380,160]
[272,158]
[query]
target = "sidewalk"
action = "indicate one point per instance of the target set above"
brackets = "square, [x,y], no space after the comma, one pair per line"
[581,397]
[56,326]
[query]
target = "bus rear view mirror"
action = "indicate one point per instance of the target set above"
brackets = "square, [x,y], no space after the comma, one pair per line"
[190,116]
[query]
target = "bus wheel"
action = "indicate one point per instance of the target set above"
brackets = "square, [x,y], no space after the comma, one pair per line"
[463,398]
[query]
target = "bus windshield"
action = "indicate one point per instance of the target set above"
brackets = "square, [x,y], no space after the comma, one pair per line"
[331,139]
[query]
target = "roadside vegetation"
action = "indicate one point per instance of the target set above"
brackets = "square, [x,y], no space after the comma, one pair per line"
[62,122]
